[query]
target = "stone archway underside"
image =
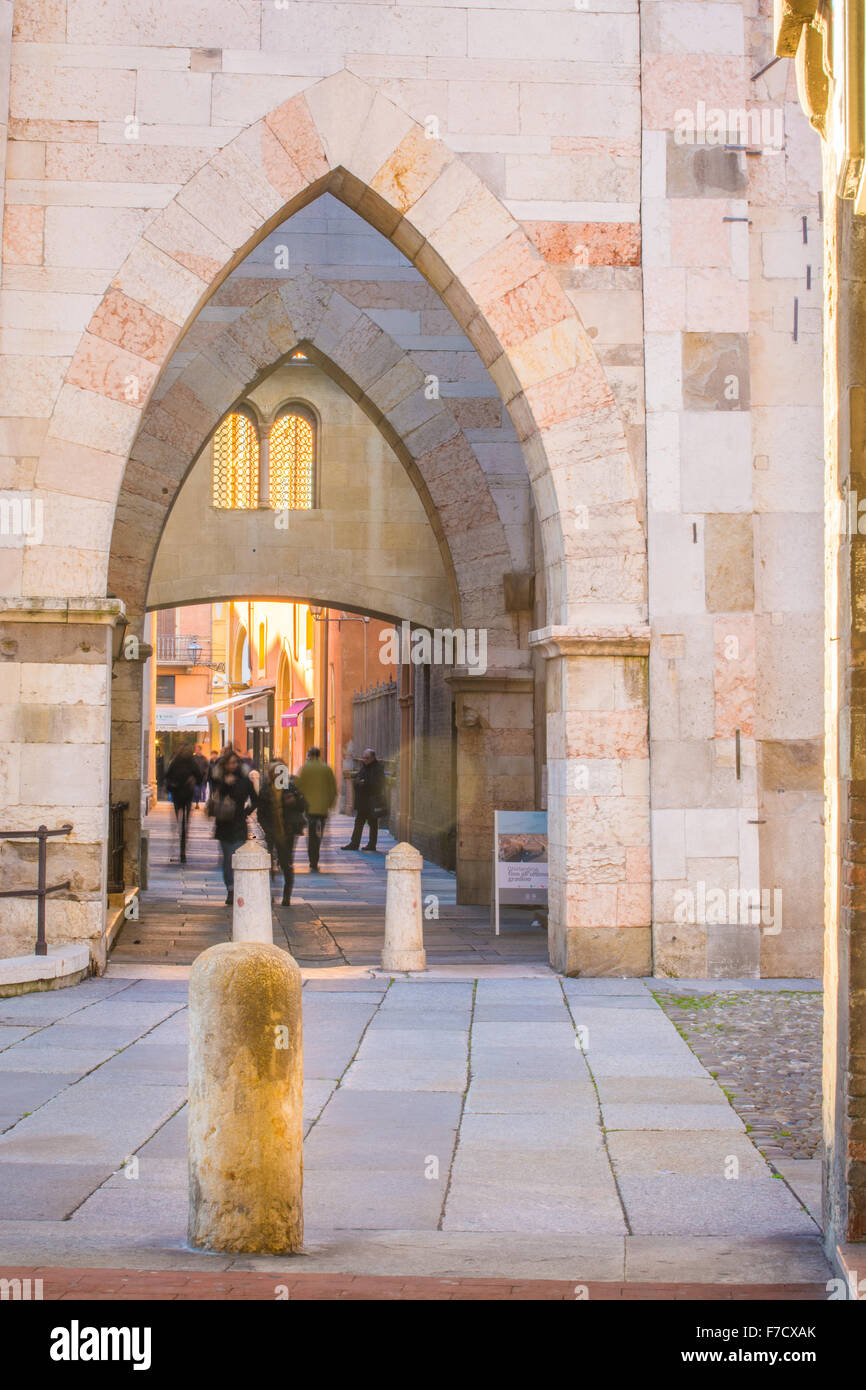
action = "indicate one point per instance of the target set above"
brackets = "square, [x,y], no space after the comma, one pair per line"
[380,376]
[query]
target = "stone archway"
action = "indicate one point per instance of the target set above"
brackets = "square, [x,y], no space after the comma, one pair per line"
[380,376]
[342,136]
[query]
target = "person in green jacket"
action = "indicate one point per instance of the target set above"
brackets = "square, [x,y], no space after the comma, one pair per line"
[319,786]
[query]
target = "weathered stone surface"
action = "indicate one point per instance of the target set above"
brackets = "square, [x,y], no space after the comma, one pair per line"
[729,562]
[245,1106]
[716,371]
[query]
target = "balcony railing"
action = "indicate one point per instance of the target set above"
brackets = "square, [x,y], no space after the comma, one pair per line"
[183,649]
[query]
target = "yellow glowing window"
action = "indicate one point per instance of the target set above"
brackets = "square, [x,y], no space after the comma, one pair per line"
[236,463]
[291,463]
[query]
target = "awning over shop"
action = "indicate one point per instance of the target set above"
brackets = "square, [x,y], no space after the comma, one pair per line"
[171,717]
[255,693]
[292,715]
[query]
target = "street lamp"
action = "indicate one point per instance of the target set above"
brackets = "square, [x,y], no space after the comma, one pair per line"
[194,650]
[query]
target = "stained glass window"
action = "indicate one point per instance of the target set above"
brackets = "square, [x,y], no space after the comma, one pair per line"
[236,463]
[291,462]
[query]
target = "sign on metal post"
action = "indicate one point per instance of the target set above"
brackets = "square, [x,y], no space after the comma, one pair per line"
[519,860]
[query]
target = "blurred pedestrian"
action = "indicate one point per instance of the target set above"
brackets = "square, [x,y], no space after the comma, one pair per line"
[280,809]
[201,764]
[319,786]
[370,801]
[233,801]
[181,782]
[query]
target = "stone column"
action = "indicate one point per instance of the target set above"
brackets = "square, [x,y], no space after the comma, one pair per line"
[56,657]
[495,767]
[245,1100]
[598,799]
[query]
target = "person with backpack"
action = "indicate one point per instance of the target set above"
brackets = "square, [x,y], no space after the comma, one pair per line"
[181,782]
[233,801]
[281,806]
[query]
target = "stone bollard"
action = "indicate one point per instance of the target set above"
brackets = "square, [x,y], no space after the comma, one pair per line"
[252,915]
[403,947]
[245,1100]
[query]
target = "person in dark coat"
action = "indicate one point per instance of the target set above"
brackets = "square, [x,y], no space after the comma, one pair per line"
[370,802]
[234,799]
[280,808]
[202,765]
[181,782]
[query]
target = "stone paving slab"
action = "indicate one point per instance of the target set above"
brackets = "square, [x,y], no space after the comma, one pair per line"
[77,1061]
[697,1206]
[158,1064]
[397,1074]
[45,1191]
[678,1116]
[24,1091]
[690,1090]
[727,1259]
[803,1176]
[10,1034]
[348,1199]
[539,1098]
[692,1153]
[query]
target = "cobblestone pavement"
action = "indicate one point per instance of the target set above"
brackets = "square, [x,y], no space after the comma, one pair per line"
[764,1049]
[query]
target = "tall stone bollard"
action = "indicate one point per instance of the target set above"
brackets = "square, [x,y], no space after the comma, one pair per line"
[252,915]
[403,948]
[245,1100]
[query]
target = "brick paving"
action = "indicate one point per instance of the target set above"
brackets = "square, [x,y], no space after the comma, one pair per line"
[91,1285]
[337,917]
[764,1049]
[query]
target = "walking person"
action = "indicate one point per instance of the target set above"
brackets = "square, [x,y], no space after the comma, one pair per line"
[202,765]
[181,781]
[319,786]
[210,774]
[280,809]
[370,801]
[233,800]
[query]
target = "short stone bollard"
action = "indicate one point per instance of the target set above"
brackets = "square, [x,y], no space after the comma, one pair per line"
[245,1100]
[252,914]
[403,948]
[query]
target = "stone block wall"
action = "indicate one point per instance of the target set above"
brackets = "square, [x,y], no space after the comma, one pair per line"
[55,677]
[732,290]
[684,265]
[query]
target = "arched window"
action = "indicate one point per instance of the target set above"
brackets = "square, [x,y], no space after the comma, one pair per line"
[292,447]
[236,463]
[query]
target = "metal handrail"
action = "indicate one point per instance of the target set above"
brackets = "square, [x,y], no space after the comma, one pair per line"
[42,888]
